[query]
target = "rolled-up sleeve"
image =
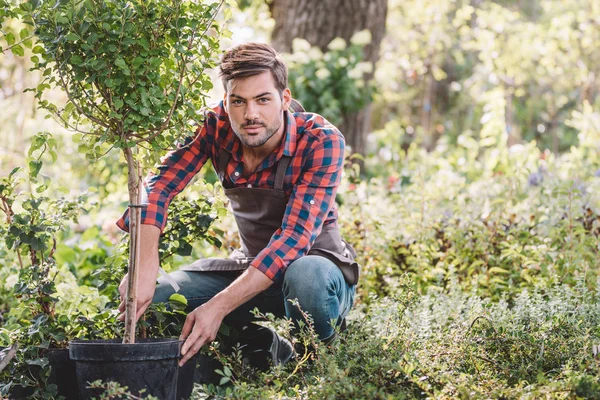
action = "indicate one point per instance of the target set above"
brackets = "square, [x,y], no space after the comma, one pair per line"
[311,200]
[171,177]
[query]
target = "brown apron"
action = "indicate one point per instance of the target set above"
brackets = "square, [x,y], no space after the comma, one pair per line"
[258,214]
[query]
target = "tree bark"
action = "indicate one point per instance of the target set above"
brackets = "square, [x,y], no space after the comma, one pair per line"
[134,186]
[321,21]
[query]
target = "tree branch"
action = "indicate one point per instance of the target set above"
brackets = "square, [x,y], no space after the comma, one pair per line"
[16,44]
[79,109]
[12,351]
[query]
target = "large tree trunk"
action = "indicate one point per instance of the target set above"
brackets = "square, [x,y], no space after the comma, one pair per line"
[321,21]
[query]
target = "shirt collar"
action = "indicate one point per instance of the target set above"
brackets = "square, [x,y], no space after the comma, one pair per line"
[289,141]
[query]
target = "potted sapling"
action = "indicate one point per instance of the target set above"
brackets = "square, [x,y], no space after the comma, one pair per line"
[134,75]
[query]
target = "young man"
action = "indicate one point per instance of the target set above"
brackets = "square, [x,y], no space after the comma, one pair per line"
[280,170]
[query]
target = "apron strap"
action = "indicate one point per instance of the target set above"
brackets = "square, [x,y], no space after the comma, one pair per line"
[223,161]
[280,173]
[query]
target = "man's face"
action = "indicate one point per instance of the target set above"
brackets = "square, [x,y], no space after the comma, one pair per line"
[255,108]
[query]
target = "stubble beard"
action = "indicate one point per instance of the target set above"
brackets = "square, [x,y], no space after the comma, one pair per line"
[256,140]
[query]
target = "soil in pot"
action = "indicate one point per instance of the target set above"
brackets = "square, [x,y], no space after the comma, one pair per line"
[149,365]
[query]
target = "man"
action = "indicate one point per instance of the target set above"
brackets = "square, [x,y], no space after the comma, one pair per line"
[280,171]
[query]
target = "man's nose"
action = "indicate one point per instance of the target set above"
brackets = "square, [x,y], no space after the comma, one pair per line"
[251,111]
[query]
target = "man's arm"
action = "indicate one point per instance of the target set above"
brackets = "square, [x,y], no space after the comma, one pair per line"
[312,198]
[177,169]
[202,324]
[149,265]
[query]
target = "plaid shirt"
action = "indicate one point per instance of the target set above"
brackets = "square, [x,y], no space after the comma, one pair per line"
[310,184]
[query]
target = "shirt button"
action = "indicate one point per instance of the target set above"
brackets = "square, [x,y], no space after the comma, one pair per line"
[236,173]
[312,202]
[250,185]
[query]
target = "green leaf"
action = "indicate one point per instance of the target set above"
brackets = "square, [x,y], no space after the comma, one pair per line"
[24,33]
[224,380]
[119,62]
[73,37]
[34,168]
[10,38]
[18,50]
[41,362]
[178,302]
[179,298]
[76,60]
[118,104]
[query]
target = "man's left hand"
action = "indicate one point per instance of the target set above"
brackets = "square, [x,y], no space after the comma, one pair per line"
[201,327]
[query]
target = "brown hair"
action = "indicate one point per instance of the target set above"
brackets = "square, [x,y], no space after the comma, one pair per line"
[250,59]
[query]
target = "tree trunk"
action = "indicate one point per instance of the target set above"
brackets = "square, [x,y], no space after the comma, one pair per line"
[321,21]
[134,186]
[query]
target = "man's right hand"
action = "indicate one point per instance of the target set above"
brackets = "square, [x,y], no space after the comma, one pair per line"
[147,274]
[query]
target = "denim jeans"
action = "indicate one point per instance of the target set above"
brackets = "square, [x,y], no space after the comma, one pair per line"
[316,282]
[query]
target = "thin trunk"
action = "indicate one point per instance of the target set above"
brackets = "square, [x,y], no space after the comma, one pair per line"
[134,186]
[509,117]
[426,110]
[554,133]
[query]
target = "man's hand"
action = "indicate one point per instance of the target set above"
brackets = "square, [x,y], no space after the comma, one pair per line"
[145,292]
[147,274]
[202,324]
[201,327]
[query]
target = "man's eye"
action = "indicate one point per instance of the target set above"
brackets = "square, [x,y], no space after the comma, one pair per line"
[263,100]
[237,102]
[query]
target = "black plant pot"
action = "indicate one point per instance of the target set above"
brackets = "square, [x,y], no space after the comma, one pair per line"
[62,374]
[149,365]
[185,379]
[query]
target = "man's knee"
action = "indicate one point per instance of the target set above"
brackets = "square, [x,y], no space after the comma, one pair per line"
[310,273]
[162,292]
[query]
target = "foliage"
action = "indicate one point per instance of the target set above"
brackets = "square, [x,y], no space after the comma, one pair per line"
[51,309]
[157,84]
[147,93]
[191,219]
[331,84]
[447,344]
[500,219]
[112,390]
[444,61]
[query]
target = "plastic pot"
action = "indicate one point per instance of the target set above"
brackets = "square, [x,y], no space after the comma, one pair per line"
[62,374]
[185,379]
[149,365]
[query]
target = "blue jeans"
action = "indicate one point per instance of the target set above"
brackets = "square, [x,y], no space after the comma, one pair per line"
[315,281]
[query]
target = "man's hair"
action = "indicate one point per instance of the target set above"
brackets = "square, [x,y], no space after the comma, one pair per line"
[251,59]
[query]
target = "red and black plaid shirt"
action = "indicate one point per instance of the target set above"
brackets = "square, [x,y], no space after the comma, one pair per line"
[310,184]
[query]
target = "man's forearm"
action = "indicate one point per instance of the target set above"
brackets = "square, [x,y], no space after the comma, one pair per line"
[248,285]
[202,324]
[148,273]
[149,235]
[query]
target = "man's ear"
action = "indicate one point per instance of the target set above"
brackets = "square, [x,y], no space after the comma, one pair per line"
[286,99]
[225,104]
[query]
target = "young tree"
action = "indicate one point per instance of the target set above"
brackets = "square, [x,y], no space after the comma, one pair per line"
[134,74]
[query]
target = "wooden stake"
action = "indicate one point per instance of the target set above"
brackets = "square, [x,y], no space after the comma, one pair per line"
[135,191]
